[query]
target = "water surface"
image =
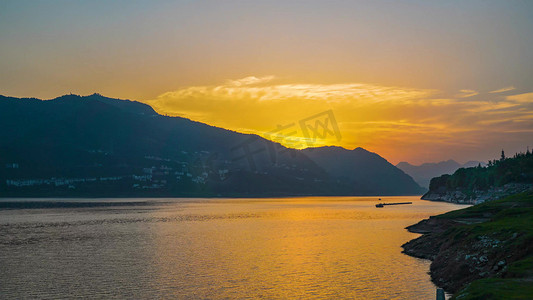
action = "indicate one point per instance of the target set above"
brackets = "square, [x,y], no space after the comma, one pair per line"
[316,247]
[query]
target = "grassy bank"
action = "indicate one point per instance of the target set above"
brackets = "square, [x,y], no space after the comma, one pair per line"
[481,252]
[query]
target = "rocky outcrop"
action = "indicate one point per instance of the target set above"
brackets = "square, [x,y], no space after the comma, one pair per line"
[457,262]
[428,245]
[476,196]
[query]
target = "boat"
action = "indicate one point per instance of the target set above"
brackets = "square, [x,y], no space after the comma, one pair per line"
[397,203]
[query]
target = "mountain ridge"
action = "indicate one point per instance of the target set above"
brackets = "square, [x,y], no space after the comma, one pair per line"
[355,167]
[97,146]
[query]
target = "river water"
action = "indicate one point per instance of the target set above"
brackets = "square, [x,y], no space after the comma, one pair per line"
[276,248]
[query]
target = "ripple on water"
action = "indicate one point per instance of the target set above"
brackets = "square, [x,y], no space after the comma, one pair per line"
[208,249]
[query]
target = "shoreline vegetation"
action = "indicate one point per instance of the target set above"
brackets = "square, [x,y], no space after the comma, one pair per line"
[481,252]
[500,178]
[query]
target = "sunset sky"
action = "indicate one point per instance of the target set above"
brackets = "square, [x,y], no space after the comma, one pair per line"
[416,81]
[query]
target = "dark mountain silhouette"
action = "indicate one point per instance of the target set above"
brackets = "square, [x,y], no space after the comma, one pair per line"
[98,146]
[423,173]
[363,171]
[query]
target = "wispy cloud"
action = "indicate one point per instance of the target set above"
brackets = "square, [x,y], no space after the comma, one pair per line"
[394,121]
[250,80]
[505,89]
[521,98]
[253,89]
[466,93]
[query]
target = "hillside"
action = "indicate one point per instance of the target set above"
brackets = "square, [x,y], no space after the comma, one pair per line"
[499,178]
[423,173]
[95,146]
[364,171]
[481,252]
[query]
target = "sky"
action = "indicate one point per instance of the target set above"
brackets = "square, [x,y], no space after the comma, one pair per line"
[416,81]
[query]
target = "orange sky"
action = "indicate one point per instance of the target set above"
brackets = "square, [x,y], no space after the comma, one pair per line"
[414,80]
[417,125]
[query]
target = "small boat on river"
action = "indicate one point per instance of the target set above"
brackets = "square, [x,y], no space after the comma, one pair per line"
[397,203]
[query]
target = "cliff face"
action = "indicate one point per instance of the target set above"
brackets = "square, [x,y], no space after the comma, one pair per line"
[491,241]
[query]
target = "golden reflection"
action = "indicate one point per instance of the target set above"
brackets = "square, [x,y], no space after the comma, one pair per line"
[290,248]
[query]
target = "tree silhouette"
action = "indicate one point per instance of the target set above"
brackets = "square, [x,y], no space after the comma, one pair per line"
[517,169]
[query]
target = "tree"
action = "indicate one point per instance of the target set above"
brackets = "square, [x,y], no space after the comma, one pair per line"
[503,156]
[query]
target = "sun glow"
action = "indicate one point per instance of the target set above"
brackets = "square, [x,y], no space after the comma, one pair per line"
[392,121]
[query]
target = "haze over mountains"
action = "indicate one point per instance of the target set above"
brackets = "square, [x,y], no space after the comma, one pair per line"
[423,173]
[96,146]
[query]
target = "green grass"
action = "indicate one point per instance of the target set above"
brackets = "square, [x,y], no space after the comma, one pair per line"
[489,209]
[522,268]
[497,288]
[513,214]
[509,220]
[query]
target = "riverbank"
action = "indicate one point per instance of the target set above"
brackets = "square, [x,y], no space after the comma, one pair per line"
[476,196]
[481,252]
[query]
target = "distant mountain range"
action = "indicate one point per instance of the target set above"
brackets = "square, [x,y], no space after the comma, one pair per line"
[95,146]
[423,173]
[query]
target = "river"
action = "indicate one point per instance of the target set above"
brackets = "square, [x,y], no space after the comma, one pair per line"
[273,248]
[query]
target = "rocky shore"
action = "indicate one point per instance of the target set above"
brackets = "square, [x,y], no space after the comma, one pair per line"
[476,196]
[482,251]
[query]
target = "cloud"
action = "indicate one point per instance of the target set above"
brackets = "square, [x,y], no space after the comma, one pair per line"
[466,93]
[505,89]
[250,80]
[490,107]
[521,98]
[397,122]
[252,89]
